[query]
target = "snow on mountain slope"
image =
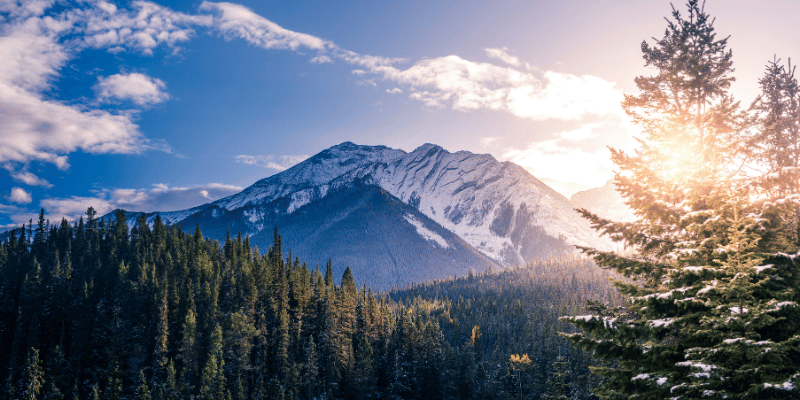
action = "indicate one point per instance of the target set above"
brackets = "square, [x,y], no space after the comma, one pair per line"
[311,179]
[496,207]
[484,201]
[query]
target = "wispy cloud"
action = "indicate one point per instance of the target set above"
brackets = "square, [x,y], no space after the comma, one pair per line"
[485,141]
[502,55]
[30,179]
[160,197]
[466,85]
[269,161]
[321,59]
[236,21]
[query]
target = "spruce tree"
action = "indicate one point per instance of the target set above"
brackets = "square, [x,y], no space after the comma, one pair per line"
[33,376]
[559,384]
[710,314]
[143,390]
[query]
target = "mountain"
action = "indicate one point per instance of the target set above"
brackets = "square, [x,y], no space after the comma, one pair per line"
[396,217]
[604,201]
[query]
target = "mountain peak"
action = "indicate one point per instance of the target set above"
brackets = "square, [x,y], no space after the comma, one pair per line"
[428,147]
[345,146]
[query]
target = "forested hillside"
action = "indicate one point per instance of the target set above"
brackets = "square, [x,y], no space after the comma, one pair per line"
[95,310]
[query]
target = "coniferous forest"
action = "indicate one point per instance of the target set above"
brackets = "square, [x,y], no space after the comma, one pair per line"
[94,310]
[703,304]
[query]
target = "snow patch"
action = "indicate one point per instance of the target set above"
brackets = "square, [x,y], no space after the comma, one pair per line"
[251,215]
[759,269]
[780,386]
[659,323]
[704,367]
[694,269]
[299,199]
[426,233]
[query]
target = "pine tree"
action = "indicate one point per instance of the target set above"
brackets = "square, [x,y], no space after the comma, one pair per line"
[143,390]
[363,371]
[707,315]
[33,376]
[188,351]
[777,145]
[213,383]
[559,384]
[57,371]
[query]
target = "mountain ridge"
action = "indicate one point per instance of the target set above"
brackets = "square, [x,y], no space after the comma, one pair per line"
[497,209]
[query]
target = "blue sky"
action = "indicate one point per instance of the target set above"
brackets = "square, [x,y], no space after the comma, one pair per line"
[167,105]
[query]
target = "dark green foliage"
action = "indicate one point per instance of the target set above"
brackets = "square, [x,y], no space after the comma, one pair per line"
[33,377]
[156,313]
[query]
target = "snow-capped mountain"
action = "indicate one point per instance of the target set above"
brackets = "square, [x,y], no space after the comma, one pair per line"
[464,209]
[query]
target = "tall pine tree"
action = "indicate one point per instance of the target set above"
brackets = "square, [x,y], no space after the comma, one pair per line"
[707,315]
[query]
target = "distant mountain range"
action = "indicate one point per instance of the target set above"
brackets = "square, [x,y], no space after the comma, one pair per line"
[396,217]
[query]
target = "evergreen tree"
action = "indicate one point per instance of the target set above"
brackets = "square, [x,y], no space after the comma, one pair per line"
[58,374]
[777,147]
[705,310]
[33,377]
[143,390]
[363,371]
[559,384]
[188,352]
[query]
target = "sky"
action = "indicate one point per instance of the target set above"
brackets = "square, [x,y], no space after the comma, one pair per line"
[165,105]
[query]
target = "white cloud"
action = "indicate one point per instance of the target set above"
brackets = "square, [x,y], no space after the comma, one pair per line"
[35,47]
[234,20]
[135,87]
[586,131]
[565,169]
[270,161]
[160,197]
[565,97]
[577,169]
[438,82]
[465,85]
[143,28]
[165,198]
[9,209]
[321,59]
[19,196]
[488,140]
[30,179]
[502,55]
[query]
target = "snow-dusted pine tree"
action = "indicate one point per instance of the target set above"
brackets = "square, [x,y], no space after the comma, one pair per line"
[710,313]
